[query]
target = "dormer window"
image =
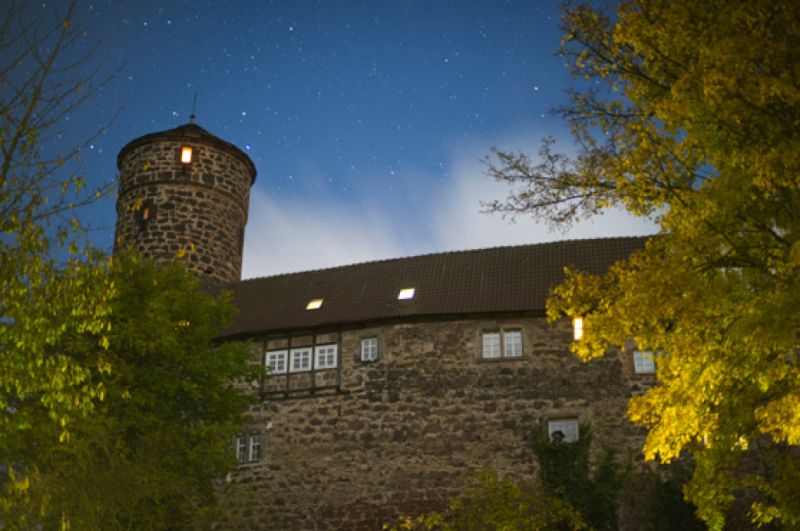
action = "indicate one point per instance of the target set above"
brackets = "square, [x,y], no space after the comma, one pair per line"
[314,304]
[405,294]
[186,154]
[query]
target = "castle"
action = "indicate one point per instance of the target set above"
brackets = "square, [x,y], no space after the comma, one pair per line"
[389,381]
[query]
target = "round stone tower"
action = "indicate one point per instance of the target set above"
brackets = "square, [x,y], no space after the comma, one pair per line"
[183,195]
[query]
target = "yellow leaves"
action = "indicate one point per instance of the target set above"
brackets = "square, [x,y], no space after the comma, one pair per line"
[66,24]
[182,324]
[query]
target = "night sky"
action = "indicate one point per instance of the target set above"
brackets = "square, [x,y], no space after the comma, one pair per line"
[366,120]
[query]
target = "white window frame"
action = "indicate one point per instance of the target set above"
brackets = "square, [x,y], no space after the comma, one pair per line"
[644,362]
[255,447]
[241,448]
[302,354]
[369,349]
[276,360]
[516,348]
[326,356]
[492,348]
[496,344]
[566,425]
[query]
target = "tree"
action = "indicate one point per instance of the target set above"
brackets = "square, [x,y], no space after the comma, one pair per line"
[43,388]
[152,451]
[689,114]
[491,502]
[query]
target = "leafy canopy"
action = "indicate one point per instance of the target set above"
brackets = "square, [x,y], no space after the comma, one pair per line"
[151,453]
[689,113]
[52,284]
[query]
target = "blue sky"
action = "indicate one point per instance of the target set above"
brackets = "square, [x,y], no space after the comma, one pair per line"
[366,120]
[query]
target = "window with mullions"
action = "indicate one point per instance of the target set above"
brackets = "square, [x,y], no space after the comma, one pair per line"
[325,357]
[276,361]
[643,362]
[248,448]
[369,349]
[502,344]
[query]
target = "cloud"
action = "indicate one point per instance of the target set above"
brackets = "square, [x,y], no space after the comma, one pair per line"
[460,224]
[415,214]
[285,235]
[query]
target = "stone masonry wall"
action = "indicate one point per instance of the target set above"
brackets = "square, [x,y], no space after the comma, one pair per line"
[402,432]
[196,211]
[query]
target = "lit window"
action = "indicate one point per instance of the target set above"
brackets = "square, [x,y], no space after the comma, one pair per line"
[301,359]
[563,430]
[314,304]
[248,448]
[276,361]
[491,345]
[186,154]
[369,349]
[325,356]
[509,347]
[577,328]
[643,362]
[405,294]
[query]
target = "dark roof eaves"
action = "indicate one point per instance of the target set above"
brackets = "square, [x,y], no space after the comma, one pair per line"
[442,253]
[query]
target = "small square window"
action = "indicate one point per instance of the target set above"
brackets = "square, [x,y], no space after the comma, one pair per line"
[325,356]
[314,304]
[563,430]
[276,361]
[369,349]
[643,362]
[301,359]
[491,345]
[248,448]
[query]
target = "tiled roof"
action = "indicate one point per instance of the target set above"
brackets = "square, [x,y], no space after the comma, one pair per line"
[497,279]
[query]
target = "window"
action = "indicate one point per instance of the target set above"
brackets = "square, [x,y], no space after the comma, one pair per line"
[643,362]
[325,356]
[255,447]
[276,361]
[301,359]
[248,448]
[369,349]
[314,304]
[405,294]
[241,449]
[509,347]
[491,345]
[186,154]
[563,430]
[512,343]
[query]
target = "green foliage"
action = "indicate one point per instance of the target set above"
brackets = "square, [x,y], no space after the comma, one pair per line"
[492,503]
[565,472]
[43,388]
[150,453]
[691,119]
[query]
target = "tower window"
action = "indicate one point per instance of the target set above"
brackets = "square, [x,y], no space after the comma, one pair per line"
[186,154]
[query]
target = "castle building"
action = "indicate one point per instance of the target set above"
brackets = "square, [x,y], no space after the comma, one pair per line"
[389,381]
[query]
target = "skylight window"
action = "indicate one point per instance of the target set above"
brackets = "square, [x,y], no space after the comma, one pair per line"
[405,294]
[314,304]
